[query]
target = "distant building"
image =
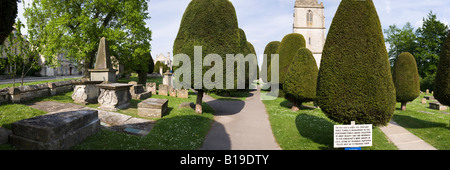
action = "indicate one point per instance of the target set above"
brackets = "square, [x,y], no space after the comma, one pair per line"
[309,20]
[164,59]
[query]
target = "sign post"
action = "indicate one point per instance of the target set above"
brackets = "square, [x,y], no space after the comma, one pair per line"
[352,137]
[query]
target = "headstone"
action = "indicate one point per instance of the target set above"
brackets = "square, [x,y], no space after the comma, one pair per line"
[424,101]
[427,91]
[438,106]
[114,96]
[172,92]
[153,108]
[103,70]
[56,131]
[163,90]
[151,87]
[183,93]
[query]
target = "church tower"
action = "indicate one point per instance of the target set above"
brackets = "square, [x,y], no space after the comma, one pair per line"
[309,20]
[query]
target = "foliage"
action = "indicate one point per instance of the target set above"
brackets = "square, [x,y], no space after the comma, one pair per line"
[74,28]
[301,78]
[400,40]
[158,64]
[442,85]
[286,51]
[355,81]
[270,49]
[406,78]
[8,14]
[22,56]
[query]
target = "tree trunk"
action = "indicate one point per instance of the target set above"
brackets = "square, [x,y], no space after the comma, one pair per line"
[88,63]
[198,104]
[142,77]
[403,106]
[295,107]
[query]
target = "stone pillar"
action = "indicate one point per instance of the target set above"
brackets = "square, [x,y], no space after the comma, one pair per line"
[103,70]
[167,79]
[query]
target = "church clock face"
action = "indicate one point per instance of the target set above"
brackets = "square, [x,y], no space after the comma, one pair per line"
[309,20]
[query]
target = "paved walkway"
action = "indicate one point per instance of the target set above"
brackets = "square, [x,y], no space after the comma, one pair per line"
[403,139]
[240,125]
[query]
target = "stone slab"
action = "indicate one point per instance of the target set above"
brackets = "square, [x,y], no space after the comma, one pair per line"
[438,106]
[153,108]
[55,131]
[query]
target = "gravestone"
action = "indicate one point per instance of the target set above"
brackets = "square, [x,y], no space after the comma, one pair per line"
[153,108]
[114,96]
[163,90]
[56,131]
[172,92]
[183,93]
[438,106]
[151,87]
[424,101]
[103,70]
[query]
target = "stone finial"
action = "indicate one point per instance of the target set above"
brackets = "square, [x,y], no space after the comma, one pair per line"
[103,60]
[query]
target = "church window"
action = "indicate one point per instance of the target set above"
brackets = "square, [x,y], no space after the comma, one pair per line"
[309,17]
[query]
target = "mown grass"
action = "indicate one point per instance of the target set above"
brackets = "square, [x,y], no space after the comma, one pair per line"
[430,125]
[309,129]
[35,82]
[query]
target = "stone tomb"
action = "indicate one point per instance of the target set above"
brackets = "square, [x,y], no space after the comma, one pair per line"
[137,91]
[114,96]
[56,131]
[429,97]
[438,106]
[151,87]
[153,108]
[86,92]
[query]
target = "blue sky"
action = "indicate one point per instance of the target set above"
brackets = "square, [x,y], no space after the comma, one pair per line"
[270,20]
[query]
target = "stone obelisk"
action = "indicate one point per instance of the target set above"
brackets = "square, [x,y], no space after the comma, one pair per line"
[103,70]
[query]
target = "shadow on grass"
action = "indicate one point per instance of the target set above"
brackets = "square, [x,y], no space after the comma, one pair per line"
[411,122]
[317,129]
[287,104]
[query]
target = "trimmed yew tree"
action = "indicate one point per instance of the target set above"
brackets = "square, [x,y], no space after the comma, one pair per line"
[406,79]
[270,49]
[301,79]
[355,81]
[287,50]
[8,14]
[442,82]
[213,25]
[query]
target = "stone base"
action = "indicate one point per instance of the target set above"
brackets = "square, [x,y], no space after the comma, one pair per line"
[57,131]
[153,108]
[141,96]
[108,75]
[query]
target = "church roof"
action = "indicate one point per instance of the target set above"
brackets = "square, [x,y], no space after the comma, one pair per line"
[308,3]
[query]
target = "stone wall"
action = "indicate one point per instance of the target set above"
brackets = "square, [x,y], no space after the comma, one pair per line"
[26,93]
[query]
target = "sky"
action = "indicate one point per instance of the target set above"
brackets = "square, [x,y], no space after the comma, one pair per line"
[270,20]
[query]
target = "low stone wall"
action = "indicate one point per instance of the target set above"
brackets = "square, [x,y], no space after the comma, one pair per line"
[26,93]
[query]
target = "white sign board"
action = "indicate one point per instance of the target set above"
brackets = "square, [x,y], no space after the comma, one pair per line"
[350,136]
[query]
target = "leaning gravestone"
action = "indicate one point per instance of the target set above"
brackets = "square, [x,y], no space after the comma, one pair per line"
[56,131]
[103,70]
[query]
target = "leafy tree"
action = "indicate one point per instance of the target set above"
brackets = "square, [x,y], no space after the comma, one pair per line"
[301,79]
[22,56]
[442,84]
[406,79]
[400,40]
[355,81]
[75,28]
[211,24]
[8,14]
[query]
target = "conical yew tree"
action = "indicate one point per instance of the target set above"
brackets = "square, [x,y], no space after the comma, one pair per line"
[406,79]
[442,81]
[355,81]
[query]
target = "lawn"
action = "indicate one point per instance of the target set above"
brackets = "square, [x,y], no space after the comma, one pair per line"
[35,82]
[309,129]
[181,129]
[430,125]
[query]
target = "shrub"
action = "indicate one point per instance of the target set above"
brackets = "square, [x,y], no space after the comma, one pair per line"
[355,81]
[287,50]
[213,25]
[301,79]
[406,78]
[8,14]
[270,49]
[442,83]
